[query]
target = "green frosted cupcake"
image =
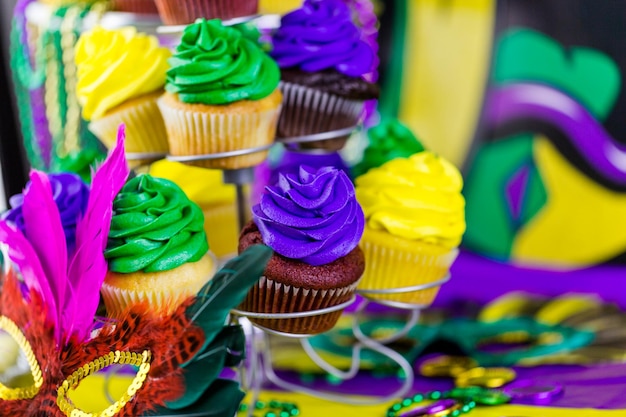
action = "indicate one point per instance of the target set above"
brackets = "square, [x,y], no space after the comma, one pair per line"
[157,250]
[222,97]
[388,140]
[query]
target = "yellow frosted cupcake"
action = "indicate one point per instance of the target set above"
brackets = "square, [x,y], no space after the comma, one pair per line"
[222,96]
[217,200]
[157,250]
[121,74]
[415,219]
[278,6]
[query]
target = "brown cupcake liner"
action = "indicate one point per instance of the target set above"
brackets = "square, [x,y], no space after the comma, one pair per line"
[193,132]
[307,111]
[182,12]
[135,6]
[269,296]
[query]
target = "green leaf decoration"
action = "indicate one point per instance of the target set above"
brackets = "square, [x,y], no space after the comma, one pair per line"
[222,399]
[207,365]
[227,290]
[236,346]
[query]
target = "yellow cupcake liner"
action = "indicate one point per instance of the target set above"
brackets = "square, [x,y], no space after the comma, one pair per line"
[145,129]
[270,296]
[222,229]
[395,263]
[308,111]
[193,132]
[162,299]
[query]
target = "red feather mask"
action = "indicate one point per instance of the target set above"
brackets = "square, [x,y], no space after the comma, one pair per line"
[48,303]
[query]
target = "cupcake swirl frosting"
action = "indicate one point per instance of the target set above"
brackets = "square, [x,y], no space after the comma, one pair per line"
[215,64]
[312,217]
[70,195]
[388,140]
[416,198]
[114,66]
[154,228]
[320,36]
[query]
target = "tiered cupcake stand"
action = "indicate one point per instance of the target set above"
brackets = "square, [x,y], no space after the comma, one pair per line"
[259,369]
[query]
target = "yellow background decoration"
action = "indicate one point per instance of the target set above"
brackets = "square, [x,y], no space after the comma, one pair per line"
[447,55]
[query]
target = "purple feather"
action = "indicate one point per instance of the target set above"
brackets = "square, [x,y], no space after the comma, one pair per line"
[88,267]
[22,254]
[44,231]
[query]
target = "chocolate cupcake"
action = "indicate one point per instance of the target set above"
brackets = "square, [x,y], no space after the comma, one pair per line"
[314,224]
[323,61]
[135,6]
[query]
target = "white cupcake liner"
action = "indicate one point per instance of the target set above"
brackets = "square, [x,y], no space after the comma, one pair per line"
[389,268]
[161,300]
[307,111]
[145,129]
[269,296]
[201,133]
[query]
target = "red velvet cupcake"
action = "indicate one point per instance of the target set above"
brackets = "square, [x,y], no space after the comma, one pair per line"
[135,6]
[314,224]
[183,12]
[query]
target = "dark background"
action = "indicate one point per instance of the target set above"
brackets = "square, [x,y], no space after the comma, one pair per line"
[12,159]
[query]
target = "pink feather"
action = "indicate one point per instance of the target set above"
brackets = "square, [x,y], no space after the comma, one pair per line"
[22,254]
[88,267]
[44,231]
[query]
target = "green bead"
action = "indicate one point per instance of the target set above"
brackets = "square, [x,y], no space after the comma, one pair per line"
[275,404]
[455,413]
[466,408]
[435,395]
[396,407]
[472,403]
[284,414]
[270,414]
[259,405]
[391,414]
[407,402]
[333,380]
[294,411]
[243,407]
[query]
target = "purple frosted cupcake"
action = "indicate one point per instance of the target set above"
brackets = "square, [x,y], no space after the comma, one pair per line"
[70,194]
[314,224]
[323,60]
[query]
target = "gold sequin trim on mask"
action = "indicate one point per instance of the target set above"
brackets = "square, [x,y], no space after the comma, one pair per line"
[26,393]
[122,358]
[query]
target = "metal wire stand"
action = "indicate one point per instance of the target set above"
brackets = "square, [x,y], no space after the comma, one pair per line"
[260,366]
